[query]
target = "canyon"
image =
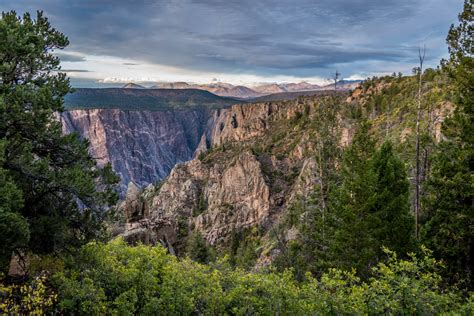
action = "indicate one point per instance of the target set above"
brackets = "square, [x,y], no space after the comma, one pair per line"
[142,146]
[233,169]
[144,133]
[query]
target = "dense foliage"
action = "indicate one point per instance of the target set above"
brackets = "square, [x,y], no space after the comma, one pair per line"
[367,208]
[449,216]
[371,206]
[115,278]
[52,194]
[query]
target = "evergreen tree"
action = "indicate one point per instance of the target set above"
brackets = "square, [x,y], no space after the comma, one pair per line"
[64,193]
[449,218]
[197,248]
[14,231]
[317,221]
[352,241]
[390,221]
[370,207]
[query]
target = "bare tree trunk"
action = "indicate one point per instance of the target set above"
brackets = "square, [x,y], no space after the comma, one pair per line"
[321,188]
[387,121]
[336,77]
[421,56]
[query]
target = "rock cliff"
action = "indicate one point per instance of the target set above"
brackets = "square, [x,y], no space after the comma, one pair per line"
[239,183]
[231,171]
[257,161]
[142,146]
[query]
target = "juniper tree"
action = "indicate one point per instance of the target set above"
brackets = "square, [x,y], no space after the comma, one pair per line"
[390,221]
[64,193]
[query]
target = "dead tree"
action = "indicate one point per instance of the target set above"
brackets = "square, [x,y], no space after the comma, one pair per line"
[336,77]
[421,58]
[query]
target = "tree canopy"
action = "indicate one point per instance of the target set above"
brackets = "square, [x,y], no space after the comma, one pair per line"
[56,193]
[449,216]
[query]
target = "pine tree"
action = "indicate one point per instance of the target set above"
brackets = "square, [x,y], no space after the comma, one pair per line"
[14,233]
[390,221]
[64,193]
[351,246]
[317,225]
[370,207]
[449,218]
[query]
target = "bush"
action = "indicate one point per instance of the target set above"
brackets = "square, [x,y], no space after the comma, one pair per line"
[119,279]
[33,297]
[111,277]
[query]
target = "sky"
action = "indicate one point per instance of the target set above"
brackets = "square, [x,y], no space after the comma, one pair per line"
[243,41]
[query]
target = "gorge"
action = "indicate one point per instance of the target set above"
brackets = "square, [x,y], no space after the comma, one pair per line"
[225,158]
[232,168]
[145,133]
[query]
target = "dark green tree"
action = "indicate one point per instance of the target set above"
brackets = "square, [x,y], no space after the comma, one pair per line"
[14,231]
[64,193]
[352,242]
[390,221]
[197,248]
[317,220]
[449,218]
[370,207]
[310,215]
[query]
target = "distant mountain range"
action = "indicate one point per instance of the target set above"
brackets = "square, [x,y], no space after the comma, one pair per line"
[183,95]
[131,85]
[243,92]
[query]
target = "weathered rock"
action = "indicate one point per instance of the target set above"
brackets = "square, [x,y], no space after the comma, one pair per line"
[142,146]
[133,205]
[202,147]
[246,121]
[219,197]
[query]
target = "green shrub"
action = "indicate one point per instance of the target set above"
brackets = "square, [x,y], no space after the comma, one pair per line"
[115,278]
[111,277]
[31,298]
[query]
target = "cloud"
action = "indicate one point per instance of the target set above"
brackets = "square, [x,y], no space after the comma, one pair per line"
[265,38]
[74,70]
[68,57]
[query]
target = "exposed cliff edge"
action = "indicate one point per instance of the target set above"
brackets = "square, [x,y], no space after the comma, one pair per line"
[142,146]
[258,160]
[258,163]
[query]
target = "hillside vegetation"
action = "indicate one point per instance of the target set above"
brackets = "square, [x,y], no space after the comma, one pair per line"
[356,204]
[144,99]
[302,154]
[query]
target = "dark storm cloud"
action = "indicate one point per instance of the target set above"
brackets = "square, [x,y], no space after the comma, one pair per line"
[297,37]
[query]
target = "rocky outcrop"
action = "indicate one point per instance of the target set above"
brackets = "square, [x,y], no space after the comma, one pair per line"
[228,190]
[247,121]
[214,199]
[254,162]
[142,146]
[231,169]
